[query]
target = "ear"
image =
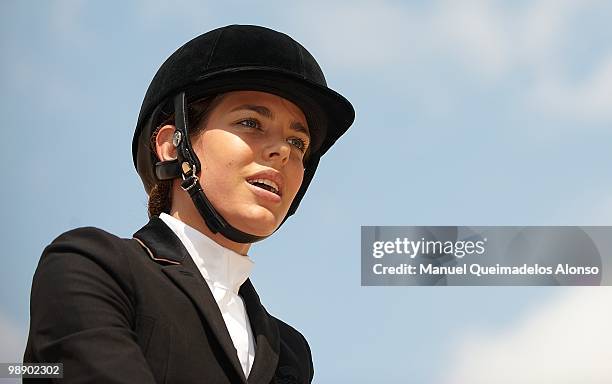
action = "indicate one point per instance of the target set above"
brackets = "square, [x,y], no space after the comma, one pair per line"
[164,148]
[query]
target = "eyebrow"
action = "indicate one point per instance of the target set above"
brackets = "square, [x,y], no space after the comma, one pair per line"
[265,112]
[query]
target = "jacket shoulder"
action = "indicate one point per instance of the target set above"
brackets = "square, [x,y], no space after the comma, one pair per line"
[89,251]
[82,308]
[83,266]
[299,345]
[90,242]
[84,237]
[288,330]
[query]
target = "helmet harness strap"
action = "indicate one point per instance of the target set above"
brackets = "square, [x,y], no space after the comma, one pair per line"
[189,165]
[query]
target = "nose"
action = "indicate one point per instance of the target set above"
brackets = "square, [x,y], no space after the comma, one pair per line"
[278,151]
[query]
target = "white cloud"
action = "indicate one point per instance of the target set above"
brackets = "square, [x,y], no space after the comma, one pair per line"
[565,341]
[542,26]
[473,31]
[359,35]
[588,100]
[491,41]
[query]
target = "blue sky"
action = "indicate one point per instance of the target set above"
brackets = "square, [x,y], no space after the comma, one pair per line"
[468,113]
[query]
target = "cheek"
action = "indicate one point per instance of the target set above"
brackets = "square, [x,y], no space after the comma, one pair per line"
[295,175]
[220,151]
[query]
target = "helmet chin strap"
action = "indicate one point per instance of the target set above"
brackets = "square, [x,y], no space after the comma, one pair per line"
[189,163]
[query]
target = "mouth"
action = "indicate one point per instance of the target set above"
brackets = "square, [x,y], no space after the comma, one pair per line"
[266,184]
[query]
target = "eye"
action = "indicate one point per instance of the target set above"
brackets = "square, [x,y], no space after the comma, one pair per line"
[298,143]
[250,123]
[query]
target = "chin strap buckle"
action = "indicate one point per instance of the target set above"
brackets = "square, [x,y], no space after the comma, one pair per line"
[188,173]
[189,182]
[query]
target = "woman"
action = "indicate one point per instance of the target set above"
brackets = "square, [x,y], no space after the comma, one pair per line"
[229,136]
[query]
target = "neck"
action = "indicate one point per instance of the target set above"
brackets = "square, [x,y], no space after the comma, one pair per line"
[192,218]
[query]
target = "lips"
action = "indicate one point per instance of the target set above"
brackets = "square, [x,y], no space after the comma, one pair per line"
[268,180]
[268,185]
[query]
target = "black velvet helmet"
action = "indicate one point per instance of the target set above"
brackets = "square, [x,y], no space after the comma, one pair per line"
[231,58]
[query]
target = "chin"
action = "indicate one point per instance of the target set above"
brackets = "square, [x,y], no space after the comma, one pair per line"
[256,220]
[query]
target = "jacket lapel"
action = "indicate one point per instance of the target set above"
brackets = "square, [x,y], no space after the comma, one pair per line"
[165,247]
[265,332]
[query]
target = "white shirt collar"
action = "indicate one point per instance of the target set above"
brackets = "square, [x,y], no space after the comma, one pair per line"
[220,266]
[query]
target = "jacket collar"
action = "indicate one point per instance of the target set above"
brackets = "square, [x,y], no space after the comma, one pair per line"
[161,243]
[165,248]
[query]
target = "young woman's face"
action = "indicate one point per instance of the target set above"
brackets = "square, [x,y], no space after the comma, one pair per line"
[251,150]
